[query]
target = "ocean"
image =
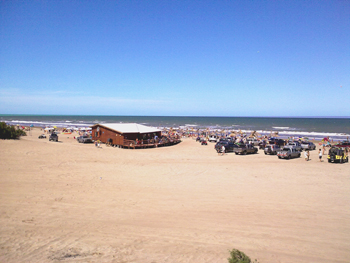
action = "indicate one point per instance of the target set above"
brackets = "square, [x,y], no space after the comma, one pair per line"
[315,127]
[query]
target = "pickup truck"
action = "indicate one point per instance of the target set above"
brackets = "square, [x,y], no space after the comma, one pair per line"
[245,148]
[288,152]
[295,145]
[272,149]
[84,139]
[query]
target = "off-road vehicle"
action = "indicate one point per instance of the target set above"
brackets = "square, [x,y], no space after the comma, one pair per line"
[337,155]
[53,137]
[245,148]
[272,149]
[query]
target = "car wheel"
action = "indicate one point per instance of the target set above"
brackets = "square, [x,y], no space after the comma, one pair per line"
[329,160]
[236,153]
[299,155]
[288,157]
[244,152]
[265,153]
[279,157]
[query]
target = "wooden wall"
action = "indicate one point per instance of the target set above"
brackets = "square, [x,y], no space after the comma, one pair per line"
[117,138]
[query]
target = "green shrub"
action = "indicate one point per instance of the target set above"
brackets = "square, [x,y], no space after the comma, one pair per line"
[239,257]
[10,132]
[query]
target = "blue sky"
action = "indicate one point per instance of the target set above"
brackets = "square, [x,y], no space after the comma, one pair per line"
[177,58]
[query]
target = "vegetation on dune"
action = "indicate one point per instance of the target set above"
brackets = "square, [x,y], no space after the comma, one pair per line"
[10,132]
[237,256]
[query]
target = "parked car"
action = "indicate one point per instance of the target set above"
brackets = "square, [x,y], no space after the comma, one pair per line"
[288,152]
[343,144]
[245,148]
[276,141]
[42,136]
[253,141]
[272,149]
[308,146]
[229,146]
[53,137]
[294,144]
[84,139]
[337,155]
[213,138]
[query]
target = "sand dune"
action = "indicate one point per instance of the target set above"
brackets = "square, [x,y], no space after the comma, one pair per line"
[70,202]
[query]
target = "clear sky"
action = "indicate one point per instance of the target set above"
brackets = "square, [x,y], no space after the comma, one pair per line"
[181,58]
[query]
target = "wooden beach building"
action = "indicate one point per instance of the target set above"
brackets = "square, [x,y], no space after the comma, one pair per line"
[129,135]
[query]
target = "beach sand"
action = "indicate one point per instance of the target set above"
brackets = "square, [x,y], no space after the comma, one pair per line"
[71,202]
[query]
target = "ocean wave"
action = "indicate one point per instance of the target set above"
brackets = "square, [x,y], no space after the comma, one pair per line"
[281,128]
[20,121]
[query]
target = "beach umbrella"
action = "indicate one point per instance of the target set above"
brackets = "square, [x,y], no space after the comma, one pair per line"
[257,134]
[254,134]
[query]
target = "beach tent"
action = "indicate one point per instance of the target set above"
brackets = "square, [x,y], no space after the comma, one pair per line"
[275,134]
[233,134]
[254,134]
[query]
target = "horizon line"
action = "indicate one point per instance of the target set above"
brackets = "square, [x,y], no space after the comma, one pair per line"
[191,116]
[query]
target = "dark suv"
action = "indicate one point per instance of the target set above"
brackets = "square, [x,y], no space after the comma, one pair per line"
[229,146]
[53,137]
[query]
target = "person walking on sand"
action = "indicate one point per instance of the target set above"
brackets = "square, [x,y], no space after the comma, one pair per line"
[320,155]
[222,150]
[307,155]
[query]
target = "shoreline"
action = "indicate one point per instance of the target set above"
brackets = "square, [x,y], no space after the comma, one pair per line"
[315,136]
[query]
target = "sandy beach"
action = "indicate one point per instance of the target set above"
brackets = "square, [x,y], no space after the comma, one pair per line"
[70,202]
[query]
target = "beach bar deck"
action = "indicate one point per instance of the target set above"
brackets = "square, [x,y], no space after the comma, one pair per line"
[131,135]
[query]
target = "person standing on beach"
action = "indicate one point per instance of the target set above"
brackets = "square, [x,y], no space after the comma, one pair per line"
[222,150]
[320,155]
[307,155]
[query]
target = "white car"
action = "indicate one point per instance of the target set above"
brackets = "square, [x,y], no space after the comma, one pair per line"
[213,138]
[308,146]
[253,141]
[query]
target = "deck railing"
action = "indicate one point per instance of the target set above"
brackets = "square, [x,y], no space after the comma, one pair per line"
[149,143]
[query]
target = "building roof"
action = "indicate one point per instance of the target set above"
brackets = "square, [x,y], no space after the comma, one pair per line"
[128,127]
